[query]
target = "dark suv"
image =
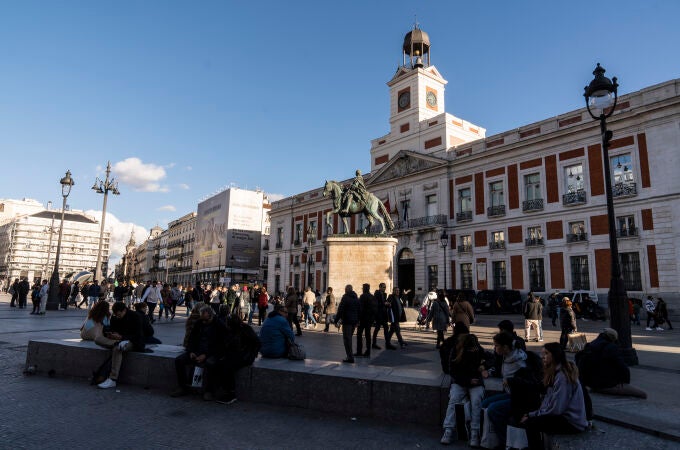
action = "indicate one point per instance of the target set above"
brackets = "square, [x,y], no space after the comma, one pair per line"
[468,294]
[498,301]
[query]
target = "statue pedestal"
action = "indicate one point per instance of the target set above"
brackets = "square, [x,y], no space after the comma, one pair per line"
[356,260]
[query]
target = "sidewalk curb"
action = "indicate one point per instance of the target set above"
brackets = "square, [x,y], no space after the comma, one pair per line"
[640,428]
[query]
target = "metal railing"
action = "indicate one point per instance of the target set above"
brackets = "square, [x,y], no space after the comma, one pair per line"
[464,216]
[495,211]
[533,242]
[630,232]
[465,249]
[532,205]
[496,245]
[624,189]
[580,237]
[574,198]
[279,245]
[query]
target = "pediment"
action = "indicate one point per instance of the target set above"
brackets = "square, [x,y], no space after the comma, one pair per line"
[403,164]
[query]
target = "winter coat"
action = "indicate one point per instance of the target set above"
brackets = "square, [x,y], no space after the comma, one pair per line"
[567,319]
[367,309]
[463,312]
[601,364]
[566,400]
[533,310]
[380,297]
[465,373]
[439,315]
[512,363]
[349,309]
[330,304]
[273,334]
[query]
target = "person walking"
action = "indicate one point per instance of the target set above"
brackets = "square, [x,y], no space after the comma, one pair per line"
[553,306]
[533,318]
[662,314]
[152,295]
[308,302]
[650,309]
[24,289]
[462,311]
[14,292]
[349,312]
[262,304]
[440,317]
[395,313]
[254,302]
[380,301]
[292,308]
[35,297]
[366,319]
[43,294]
[330,307]
[93,292]
[567,322]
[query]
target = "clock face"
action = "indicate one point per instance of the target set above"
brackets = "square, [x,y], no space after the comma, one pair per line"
[404,99]
[431,98]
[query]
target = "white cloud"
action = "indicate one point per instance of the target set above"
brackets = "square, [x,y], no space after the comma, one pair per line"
[143,177]
[167,208]
[189,168]
[275,197]
[184,186]
[120,234]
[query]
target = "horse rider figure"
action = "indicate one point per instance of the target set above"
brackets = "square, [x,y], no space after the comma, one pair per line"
[356,191]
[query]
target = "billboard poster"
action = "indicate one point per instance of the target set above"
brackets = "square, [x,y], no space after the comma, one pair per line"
[211,227]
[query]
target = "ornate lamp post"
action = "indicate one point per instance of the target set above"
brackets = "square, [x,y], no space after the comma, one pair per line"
[444,239]
[103,187]
[219,260]
[308,255]
[601,96]
[53,294]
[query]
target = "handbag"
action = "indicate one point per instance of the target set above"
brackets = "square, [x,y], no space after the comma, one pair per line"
[197,379]
[489,438]
[296,352]
[576,342]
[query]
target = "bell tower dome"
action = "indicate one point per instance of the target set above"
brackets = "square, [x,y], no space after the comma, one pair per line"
[416,48]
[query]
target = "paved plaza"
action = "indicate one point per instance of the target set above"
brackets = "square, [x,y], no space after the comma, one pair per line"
[43,412]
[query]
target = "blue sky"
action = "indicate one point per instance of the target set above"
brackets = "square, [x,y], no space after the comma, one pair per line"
[187,97]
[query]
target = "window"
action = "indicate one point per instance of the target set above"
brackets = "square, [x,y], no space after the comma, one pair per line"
[536,275]
[405,204]
[311,231]
[431,202]
[622,175]
[296,281]
[499,275]
[580,278]
[433,276]
[464,205]
[296,261]
[466,276]
[497,240]
[465,244]
[496,193]
[298,233]
[277,264]
[625,226]
[277,283]
[279,237]
[577,232]
[574,178]
[532,193]
[630,270]
[534,236]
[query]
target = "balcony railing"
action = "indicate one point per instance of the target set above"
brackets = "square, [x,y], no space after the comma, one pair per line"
[277,266]
[420,222]
[296,242]
[579,237]
[533,242]
[279,245]
[630,232]
[574,198]
[495,211]
[496,245]
[627,189]
[296,264]
[465,249]
[464,216]
[532,205]
[265,247]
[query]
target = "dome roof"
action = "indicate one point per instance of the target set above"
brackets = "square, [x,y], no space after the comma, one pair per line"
[416,39]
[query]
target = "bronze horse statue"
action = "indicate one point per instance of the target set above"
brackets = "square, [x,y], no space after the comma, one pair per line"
[372,208]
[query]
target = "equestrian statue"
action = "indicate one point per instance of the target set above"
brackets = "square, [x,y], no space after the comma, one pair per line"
[355,199]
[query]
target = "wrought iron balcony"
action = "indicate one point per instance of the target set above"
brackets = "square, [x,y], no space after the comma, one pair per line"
[420,222]
[464,216]
[496,245]
[574,198]
[495,211]
[629,232]
[532,205]
[296,242]
[627,189]
[279,245]
[296,264]
[465,249]
[277,266]
[533,242]
[265,247]
[580,237]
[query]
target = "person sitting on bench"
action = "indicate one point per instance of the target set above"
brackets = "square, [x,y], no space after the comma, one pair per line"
[126,328]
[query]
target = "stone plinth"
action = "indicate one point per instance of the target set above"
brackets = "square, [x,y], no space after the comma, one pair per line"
[357,260]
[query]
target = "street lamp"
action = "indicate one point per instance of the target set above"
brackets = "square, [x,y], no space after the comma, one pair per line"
[308,255]
[103,187]
[444,238]
[601,96]
[219,260]
[53,294]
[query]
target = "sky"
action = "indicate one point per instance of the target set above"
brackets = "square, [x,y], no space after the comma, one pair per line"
[187,97]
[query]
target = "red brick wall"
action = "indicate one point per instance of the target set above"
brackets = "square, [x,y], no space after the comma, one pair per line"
[480,238]
[621,142]
[595,169]
[603,267]
[515,234]
[647,219]
[554,229]
[479,193]
[599,225]
[404,128]
[381,159]
[516,269]
[463,180]
[495,172]
[653,268]
[481,284]
[529,164]
[513,195]
[645,179]
[452,197]
[552,189]
[433,142]
[571,154]
[556,271]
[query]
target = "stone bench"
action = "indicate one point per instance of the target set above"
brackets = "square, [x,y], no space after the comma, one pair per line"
[415,396]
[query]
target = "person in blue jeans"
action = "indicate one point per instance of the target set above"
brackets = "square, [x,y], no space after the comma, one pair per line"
[308,300]
[498,405]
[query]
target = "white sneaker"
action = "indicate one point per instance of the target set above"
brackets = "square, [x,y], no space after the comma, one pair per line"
[659,329]
[648,329]
[448,436]
[107,384]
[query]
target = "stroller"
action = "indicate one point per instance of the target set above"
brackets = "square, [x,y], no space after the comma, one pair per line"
[421,321]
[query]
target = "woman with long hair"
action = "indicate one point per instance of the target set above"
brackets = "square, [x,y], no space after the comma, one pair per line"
[567,322]
[93,327]
[440,316]
[563,409]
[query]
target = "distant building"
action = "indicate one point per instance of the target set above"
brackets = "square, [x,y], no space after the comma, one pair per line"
[181,238]
[524,209]
[29,234]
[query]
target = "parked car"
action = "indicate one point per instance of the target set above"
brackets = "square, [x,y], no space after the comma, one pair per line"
[498,301]
[468,294]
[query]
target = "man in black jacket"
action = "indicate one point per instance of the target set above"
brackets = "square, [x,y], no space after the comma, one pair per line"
[379,300]
[24,288]
[14,291]
[206,347]
[366,319]
[533,318]
[126,328]
[349,312]
[395,308]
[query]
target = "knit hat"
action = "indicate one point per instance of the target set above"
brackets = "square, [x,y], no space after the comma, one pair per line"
[611,334]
